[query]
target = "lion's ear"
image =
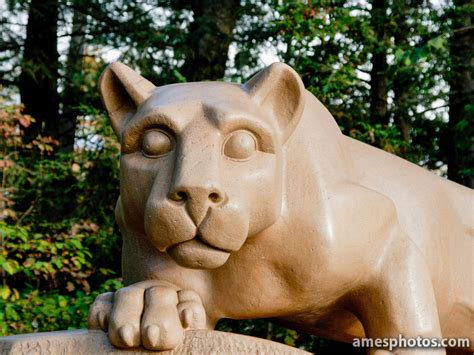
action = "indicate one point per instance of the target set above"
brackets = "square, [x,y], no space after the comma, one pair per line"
[122,91]
[279,88]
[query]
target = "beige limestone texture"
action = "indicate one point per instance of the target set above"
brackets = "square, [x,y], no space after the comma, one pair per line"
[95,342]
[245,201]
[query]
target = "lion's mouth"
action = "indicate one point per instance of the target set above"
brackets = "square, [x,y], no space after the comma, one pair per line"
[197,254]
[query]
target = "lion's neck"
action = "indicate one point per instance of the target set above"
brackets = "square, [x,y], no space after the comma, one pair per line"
[315,159]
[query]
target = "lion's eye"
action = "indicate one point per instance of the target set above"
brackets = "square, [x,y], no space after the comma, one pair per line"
[240,145]
[156,143]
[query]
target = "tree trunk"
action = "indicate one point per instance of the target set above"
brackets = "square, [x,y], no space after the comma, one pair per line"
[210,35]
[72,91]
[459,142]
[402,78]
[39,69]
[378,75]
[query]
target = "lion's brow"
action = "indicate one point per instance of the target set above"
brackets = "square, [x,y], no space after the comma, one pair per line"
[229,117]
[163,115]
[227,121]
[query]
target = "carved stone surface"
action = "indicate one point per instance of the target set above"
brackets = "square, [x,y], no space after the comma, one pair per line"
[246,201]
[88,342]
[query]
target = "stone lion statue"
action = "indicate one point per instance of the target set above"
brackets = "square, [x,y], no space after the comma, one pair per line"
[245,201]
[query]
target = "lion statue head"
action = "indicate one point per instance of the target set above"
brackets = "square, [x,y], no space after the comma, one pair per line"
[201,164]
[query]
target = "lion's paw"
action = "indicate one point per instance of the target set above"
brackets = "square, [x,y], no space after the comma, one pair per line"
[151,314]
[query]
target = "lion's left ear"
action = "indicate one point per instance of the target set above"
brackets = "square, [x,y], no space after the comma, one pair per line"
[122,90]
[279,88]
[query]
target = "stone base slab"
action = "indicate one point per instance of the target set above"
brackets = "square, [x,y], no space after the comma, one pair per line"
[95,342]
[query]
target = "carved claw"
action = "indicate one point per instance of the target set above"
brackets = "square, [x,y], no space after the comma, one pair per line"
[150,313]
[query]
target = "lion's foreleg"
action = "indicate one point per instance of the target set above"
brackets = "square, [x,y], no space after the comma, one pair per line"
[398,300]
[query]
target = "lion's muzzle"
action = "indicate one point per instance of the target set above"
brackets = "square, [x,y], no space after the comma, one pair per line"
[197,254]
[196,235]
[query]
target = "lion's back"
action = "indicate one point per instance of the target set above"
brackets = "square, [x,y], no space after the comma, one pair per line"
[437,214]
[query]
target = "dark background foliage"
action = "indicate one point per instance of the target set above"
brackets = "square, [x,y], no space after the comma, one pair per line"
[396,74]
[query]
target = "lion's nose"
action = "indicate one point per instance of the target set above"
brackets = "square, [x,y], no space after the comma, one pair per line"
[197,194]
[197,200]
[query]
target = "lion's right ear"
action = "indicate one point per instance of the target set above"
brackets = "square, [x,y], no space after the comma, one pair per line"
[279,88]
[122,91]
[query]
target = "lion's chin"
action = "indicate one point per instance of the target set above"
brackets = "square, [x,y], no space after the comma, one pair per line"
[195,254]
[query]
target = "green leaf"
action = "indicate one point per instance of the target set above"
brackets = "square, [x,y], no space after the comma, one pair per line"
[11,313]
[76,243]
[10,266]
[5,292]
[439,42]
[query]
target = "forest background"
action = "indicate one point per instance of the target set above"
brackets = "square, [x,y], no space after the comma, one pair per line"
[396,74]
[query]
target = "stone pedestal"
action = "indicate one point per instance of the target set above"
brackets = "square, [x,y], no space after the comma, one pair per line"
[95,342]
